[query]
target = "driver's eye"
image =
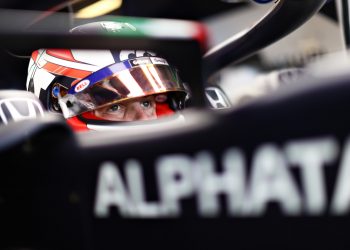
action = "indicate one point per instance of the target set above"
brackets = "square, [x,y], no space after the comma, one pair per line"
[115,107]
[146,104]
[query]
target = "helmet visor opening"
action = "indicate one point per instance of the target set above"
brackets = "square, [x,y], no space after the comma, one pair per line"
[120,82]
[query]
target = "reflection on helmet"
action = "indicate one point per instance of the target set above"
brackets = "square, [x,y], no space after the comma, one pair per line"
[120,82]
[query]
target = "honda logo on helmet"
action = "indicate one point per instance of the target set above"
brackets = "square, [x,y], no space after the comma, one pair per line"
[17,109]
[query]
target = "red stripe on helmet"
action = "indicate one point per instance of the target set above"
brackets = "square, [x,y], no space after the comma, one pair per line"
[35,55]
[62,70]
[64,54]
[163,109]
[91,115]
[76,124]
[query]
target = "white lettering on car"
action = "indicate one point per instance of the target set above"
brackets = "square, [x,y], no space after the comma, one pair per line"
[272,179]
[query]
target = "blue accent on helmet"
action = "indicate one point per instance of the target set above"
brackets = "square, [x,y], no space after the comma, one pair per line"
[55,91]
[103,73]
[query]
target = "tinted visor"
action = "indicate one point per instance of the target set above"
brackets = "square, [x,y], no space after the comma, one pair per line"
[118,82]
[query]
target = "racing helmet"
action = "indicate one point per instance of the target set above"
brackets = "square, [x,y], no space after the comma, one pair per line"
[78,82]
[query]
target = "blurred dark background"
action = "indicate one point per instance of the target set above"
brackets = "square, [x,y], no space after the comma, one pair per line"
[178,9]
[16,65]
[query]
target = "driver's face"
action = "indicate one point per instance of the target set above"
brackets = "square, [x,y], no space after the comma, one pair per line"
[143,108]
